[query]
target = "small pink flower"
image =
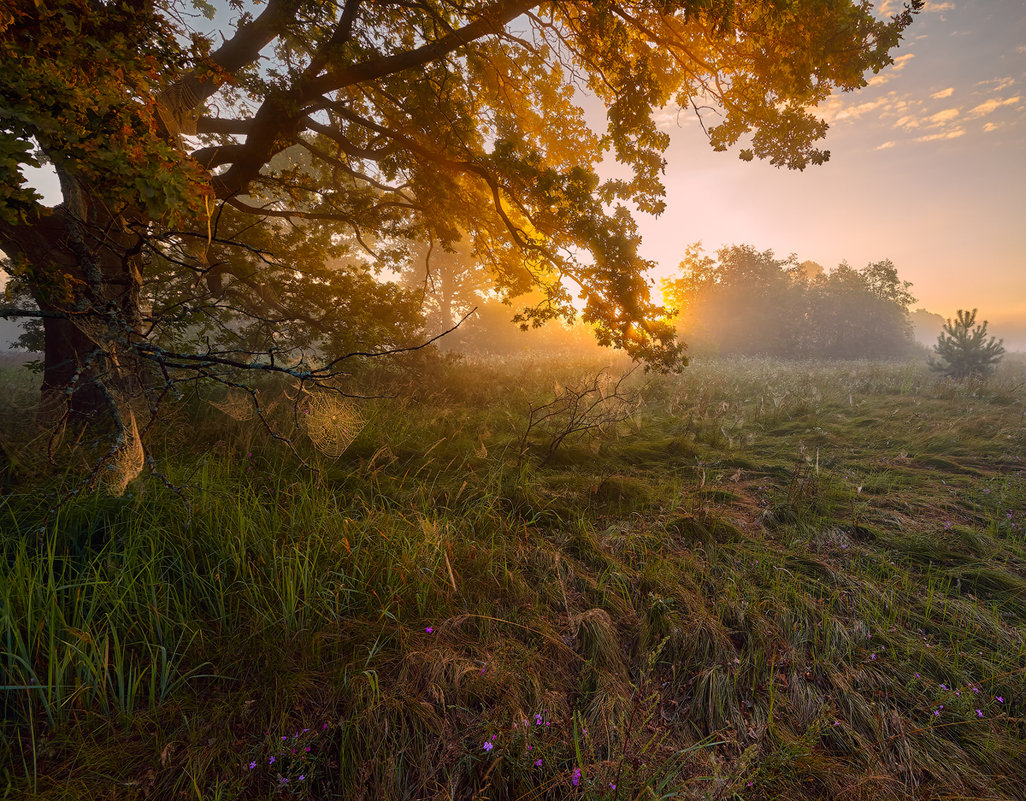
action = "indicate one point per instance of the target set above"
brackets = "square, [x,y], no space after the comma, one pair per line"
[488,746]
[537,762]
[1000,700]
[979,714]
[429,630]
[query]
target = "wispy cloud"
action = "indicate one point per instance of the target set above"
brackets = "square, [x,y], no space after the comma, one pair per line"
[997,84]
[943,93]
[940,9]
[890,73]
[992,105]
[992,126]
[901,61]
[885,145]
[839,111]
[954,134]
[942,117]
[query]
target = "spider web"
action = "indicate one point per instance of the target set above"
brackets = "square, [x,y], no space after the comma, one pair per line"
[127,461]
[331,422]
[237,404]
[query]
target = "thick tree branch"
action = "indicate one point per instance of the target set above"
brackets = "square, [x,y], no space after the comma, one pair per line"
[223,125]
[490,22]
[10,313]
[280,118]
[241,50]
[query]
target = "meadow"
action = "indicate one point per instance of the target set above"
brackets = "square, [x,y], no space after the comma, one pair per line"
[527,579]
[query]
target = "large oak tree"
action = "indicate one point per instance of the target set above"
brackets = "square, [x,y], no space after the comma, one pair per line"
[369,127]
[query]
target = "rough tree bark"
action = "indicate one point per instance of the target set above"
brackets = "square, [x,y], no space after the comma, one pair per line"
[91,307]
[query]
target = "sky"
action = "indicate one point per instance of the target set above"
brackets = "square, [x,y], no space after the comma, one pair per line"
[927,168]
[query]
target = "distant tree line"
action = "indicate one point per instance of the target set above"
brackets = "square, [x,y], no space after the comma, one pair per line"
[748,302]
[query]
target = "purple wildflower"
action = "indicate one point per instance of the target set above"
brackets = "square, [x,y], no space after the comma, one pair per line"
[488,745]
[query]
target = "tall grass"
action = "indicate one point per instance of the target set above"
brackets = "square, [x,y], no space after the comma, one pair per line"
[767,589]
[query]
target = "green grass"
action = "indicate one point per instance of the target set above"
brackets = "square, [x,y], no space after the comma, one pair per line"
[763,587]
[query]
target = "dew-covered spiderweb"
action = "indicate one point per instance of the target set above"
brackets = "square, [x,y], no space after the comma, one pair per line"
[236,403]
[330,421]
[126,463]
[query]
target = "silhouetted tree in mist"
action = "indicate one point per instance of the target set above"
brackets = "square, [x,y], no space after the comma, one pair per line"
[964,350]
[748,302]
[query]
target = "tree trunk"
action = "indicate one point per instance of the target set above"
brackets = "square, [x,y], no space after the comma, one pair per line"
[71,361]
[81,267]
